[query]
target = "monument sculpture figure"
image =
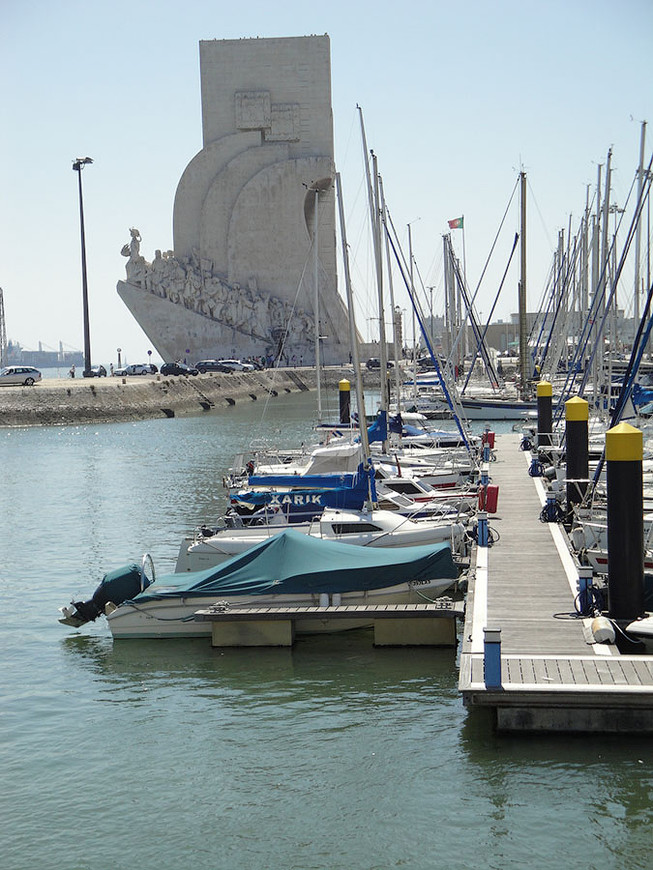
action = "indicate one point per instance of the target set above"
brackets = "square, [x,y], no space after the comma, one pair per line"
[238,277]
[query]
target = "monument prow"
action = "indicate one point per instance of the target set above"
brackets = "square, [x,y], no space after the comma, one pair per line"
[241,280]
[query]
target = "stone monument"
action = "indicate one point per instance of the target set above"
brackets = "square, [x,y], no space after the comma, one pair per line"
[241,279]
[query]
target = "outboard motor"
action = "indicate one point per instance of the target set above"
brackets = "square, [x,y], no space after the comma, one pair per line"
[116,586]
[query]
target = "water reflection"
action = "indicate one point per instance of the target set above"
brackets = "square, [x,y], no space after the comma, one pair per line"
[316,669]
[607,778]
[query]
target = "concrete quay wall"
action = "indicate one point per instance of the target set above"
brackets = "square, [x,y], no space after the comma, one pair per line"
[101,400]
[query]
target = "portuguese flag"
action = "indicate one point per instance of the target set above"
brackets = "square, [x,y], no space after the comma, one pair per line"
[456,224]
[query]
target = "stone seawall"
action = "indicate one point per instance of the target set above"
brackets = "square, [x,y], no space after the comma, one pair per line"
[97,400]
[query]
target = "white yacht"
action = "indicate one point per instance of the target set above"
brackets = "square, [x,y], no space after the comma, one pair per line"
[373,528]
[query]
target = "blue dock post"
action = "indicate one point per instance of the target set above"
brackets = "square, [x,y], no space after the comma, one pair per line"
[492,658]
[551,512]
[482,535]
[584,599]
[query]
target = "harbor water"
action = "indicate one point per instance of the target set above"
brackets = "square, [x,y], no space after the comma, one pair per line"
[170,754]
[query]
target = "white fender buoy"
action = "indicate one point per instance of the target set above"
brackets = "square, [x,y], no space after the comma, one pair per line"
[602,630]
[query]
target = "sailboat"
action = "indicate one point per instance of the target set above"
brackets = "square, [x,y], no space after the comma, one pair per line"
[369,527]
[522,406]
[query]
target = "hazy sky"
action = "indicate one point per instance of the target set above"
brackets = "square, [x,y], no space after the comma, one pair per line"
[457,96]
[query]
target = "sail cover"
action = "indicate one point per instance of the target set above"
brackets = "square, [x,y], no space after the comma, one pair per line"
[291,562]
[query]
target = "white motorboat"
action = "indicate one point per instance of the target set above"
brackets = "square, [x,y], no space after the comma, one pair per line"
[372,529]
[287,570]
[420,490]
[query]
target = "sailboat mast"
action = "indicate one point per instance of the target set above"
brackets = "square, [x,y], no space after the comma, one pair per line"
[375,220]
[412,292]
[378,256]
[316,268]
[596,273]
[355,352]
[395,330]
[524,367]
[638,236]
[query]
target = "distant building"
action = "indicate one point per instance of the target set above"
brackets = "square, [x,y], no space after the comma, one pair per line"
[16,355]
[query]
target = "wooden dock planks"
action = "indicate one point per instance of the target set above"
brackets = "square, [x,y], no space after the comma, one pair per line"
[442,608]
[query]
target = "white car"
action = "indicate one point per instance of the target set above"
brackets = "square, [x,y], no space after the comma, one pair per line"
[236,365]
[135,369]
[25,375]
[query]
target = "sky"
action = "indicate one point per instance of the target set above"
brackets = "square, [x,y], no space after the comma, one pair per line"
[457,97]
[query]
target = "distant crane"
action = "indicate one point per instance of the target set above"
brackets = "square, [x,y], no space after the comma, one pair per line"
[3,332]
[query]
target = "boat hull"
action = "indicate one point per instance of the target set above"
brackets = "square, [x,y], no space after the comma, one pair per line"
[173,617]
[479,409]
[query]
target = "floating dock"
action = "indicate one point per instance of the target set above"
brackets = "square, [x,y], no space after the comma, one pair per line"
[526,653]
[432,624]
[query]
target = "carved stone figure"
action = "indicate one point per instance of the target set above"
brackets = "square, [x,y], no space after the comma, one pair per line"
[261,323]
[190,282]
[155,277]
[136,266]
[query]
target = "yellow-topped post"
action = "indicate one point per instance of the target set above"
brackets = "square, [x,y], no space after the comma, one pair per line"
[624,452]
[344,391]
[624,443]
[576,438]
[544,414]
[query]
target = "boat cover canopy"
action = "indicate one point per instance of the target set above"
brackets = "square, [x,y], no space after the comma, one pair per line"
[292,562]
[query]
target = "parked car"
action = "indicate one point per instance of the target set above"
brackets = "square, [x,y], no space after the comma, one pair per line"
[151,368]
[135,369]
[235,365]
[375,363]
[211,365]
[25,375]
[177,368]
[95,372]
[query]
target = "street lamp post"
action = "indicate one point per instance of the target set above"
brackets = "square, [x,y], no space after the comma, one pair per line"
[78,165]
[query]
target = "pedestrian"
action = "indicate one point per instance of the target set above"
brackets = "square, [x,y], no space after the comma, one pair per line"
[72,371]
[111,369]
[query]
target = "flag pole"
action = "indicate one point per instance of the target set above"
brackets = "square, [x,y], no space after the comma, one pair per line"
[465,337]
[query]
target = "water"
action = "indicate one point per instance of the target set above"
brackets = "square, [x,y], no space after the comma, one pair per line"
[169,754]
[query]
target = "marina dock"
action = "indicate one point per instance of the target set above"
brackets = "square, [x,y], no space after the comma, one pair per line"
[538,668]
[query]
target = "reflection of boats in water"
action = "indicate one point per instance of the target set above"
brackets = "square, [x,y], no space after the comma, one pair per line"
[318,667]
[289,569]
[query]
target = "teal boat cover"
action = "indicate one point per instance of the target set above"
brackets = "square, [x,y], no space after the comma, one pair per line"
[291,562]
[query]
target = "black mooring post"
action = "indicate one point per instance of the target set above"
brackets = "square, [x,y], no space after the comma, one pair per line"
[544,414]
[576,438]
[344,388]
[624,450]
